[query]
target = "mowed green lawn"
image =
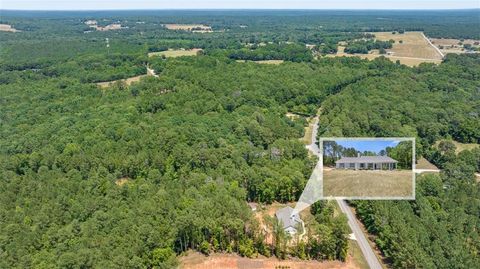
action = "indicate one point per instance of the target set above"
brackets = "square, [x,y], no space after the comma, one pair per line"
[367,183]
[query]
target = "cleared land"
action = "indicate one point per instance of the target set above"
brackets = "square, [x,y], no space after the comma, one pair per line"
[127,81]
[8,28]
[448,45]
[413,50]
[367,183]
[194,260]
[274,62]
[414,44]
[459,147]
[189,27]
[93,24]
[423,163]
[175,53]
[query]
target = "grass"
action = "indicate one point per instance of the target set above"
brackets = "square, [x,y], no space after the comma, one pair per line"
[423,163]
[413,45]
[127,81]
[274,62]
[357,256]
[175,53]
[459,147]
[367,183]
[413,50]
[189,27]
[307,137]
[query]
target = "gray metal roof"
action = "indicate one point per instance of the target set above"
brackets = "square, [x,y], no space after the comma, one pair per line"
[367,159]
[287,218]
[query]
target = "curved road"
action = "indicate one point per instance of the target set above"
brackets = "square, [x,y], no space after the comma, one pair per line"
[367,250]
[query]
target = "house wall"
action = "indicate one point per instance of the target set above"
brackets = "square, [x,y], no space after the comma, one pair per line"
[367,166]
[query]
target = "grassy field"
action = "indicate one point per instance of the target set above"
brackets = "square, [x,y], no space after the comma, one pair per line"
[127,81]
[188,27]
[413,50]
[413,45]
[175,53]
[7,28]
[369,183]
[448,45]
[423,163]
[274,62]
[461,146]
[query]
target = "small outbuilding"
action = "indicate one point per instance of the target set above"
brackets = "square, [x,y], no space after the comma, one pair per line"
[367,163]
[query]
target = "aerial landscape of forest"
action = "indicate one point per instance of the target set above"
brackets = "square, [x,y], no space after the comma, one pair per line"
[169,138]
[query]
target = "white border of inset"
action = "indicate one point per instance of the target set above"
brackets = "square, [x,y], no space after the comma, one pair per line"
[412,139]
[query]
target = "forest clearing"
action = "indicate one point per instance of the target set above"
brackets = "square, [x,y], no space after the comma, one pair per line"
[410,48]
[188,27]
[409,44]
[195,260]
[450,45]
[8,28]
[459,147]
[127,81]
[367,183]
[171,53]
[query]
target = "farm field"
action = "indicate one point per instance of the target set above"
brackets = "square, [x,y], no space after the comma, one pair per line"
[8,28]
[175,53]
[351,183]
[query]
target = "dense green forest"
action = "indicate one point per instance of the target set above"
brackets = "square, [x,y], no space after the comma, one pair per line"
[132,176]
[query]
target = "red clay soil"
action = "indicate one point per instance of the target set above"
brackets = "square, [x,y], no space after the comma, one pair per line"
[195,260]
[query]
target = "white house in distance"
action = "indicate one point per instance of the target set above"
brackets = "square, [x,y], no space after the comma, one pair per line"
[289,220]
[366,163]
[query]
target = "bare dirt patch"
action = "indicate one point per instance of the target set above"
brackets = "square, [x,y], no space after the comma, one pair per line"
[367,183]
[8,28]
[194,260]
[175,53]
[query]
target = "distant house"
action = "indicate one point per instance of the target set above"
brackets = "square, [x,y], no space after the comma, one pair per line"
[367,163]
[289,220]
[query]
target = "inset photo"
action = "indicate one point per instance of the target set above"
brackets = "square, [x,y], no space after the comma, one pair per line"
[368,168]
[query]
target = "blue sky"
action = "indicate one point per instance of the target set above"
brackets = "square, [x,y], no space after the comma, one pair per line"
[366,145]
[243,4]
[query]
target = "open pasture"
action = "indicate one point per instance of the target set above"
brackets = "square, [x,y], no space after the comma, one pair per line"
[175,53]
[367,183]
[409,44]
[8,28]
[188,27]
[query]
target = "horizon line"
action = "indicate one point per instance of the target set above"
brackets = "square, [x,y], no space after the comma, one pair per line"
[253,9]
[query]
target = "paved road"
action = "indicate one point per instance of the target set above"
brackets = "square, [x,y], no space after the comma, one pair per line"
[367,250]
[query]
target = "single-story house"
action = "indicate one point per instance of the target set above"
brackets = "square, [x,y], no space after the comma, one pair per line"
[289,220]
[367,163]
